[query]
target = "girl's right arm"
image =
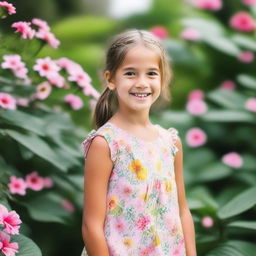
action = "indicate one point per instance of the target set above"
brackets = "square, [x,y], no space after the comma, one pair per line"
[98,168]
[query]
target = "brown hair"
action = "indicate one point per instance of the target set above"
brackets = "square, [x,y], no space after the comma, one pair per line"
[122,43]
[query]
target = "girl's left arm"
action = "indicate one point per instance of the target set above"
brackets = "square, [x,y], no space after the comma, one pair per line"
[185,214]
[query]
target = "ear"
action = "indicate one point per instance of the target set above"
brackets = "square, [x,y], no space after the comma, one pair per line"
[109,81]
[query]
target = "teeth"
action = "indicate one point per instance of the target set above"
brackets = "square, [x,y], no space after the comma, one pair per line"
[141,94]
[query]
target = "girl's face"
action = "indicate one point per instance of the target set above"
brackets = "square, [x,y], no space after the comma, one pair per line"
[137,80]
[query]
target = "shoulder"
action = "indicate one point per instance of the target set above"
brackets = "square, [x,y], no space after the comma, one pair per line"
[101,139]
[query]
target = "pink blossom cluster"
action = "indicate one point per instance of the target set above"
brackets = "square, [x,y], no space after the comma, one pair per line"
[32,181]
[160,32]
[42,31]
[249,2]
[207,222]
[10,9]
[250,104]
[74,101]
[16,65]
[7,101]
[242,21]
[196,104]
[233,159]
[228,85]
[213,5]
[196,137]
[246,56]
[11,225]
[79,76]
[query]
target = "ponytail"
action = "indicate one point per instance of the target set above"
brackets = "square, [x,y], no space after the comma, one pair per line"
[105,108]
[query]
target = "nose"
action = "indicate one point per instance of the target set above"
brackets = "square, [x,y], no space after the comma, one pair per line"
[141,82]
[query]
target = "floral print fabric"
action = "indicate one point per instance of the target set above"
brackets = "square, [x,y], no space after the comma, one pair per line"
[142,206]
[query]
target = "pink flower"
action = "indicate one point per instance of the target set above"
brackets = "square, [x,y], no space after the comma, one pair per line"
[48,182]
[246,57]
[34,181]
[196,137]
[17,186]
[233,159]
[207,221]
[41,24]
[43,90]
[48,37]
[190,34]
[56,79]
[228,85]
[196,107]
[147,251]
[177,250]
[9,7]
[23,102]
[7,101]
[160,32]
[10,220]
[249,2]
[24,28]
[120,225]
[89,90]
[70,66]
[207,4]
[21,73]
[74,101]
[81,78]
[12,61]
[7,248]
[142,222]
[196,95]
[242,21]
[67,205]
[46,66]
[250,104]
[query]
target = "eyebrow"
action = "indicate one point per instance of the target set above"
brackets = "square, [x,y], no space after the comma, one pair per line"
[132,68]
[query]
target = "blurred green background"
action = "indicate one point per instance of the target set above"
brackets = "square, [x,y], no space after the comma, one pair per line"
[214,189]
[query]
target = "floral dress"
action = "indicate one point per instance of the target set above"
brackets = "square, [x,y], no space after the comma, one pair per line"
[142,215]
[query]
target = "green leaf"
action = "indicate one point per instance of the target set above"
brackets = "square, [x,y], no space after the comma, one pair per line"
[227,99]
[26,246]
[72,28]
[212,172]
[204,26]
[228,116]
[234,248]
[200,197]
[247,81]
[47,208]
[40,148]
[243,224]
[222,44]
[238,204]
[24,120]
[244,41]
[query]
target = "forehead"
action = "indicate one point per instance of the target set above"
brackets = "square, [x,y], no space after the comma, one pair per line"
[141,56]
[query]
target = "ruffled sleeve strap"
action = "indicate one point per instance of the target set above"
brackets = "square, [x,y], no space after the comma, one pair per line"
[108,136]
[87,142]
[174,137]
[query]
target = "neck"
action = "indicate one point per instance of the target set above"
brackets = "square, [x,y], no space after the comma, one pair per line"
[132,118]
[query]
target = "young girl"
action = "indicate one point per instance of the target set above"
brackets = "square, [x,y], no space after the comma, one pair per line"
[134,197]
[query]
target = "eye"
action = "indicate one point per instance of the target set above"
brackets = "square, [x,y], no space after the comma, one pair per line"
[152,73]
[130,73]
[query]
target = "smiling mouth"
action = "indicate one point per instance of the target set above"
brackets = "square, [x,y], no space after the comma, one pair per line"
[141,95]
